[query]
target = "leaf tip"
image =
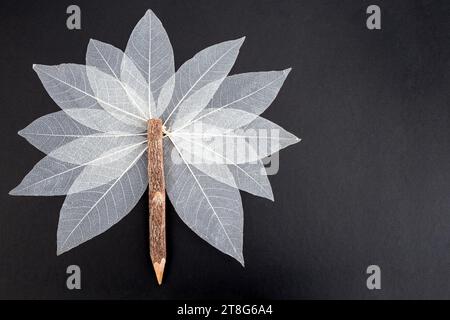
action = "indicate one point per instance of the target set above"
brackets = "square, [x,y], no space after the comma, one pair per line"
[287,71]
[60,251]
[21,132]
[36,67]
[268,194]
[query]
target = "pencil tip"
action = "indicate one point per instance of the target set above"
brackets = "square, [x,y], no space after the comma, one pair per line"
[159,270]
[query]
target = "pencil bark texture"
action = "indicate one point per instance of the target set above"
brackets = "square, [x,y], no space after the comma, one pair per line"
[157,197]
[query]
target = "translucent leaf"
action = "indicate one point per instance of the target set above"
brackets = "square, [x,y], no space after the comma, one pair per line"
[196,102]
[86,214]
[49,177]
[164,97]
[150,49]
[69,87]
[114,62]
[252,178]
[213,210]
[53,130]
[52,177]
[136,87]
[266,137]
[255,141]
[100,120]
[249,177]
[218,171]
[115,98]
[88,148]
[101,172]
[209,65]
[223,120]
[252,92]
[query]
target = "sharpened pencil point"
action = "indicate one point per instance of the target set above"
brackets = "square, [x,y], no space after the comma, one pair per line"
[159,270]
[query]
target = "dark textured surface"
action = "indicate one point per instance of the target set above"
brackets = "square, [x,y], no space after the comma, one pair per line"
[369,183]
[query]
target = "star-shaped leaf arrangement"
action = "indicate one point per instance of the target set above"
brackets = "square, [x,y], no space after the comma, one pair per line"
[128,119]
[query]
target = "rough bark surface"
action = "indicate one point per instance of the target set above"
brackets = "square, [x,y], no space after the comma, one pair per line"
[157,197]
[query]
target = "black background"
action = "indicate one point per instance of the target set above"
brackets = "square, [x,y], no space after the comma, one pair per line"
[368,184]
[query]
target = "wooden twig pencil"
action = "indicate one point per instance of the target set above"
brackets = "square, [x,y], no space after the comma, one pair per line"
[157,197]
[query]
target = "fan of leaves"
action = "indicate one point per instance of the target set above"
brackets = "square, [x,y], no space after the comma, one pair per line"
[96,146]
